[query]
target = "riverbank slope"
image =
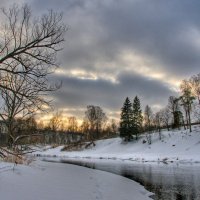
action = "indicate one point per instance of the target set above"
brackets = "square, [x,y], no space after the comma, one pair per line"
[50,181]
[175,146]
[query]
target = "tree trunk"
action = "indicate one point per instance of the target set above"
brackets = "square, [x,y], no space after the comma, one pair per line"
[184,124]
[189,118]
[167,126]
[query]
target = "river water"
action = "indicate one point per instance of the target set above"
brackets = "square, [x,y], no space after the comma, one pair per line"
[167,181]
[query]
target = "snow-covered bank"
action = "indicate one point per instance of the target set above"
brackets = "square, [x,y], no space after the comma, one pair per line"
[175,146]
[57,181]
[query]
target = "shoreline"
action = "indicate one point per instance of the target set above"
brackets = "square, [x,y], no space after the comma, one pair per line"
[50,181]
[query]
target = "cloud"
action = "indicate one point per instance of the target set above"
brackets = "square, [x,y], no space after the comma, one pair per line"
[100,31]
[115,49]
[78,93]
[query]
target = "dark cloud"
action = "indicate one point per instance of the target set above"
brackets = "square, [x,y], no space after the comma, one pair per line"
[100,31]
[165,34]
[109,95]
[160,29]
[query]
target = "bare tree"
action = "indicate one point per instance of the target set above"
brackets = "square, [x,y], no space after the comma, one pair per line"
[196,111]
[158,122]
[26,126]
[28,48]
[55,122]
[72,124]
[195,84]
[114,126]
[24,105]
[166,117]
[29,45]
[85,128]
[96,118]
[111,128]
[187,100]
[148,115]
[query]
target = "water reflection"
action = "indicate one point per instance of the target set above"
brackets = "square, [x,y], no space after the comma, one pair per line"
[168,182]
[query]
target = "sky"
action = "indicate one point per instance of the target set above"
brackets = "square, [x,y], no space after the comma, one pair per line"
[114,49]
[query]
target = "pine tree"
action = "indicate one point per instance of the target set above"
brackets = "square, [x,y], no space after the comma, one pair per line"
[126,123]
[137,117]
[178,119]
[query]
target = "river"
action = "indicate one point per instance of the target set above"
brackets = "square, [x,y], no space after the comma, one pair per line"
[167,181]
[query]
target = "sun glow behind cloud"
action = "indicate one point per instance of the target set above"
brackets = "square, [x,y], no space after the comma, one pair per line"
[128,61]
[118,49]
[78,73]
[144,66]
[63,113]
[135,64]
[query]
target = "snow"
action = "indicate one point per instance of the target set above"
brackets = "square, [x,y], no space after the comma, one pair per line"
[50,181]
[175,146]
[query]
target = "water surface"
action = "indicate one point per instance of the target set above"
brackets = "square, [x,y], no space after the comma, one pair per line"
[167,181]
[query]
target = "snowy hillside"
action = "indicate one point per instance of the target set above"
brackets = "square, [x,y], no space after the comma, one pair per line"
[57,181]
[175,146]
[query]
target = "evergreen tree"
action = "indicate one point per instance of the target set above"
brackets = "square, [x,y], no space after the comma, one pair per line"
[137,117]
[126,123]
[178,119]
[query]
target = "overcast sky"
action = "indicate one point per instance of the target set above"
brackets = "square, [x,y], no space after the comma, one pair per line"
[119,48]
